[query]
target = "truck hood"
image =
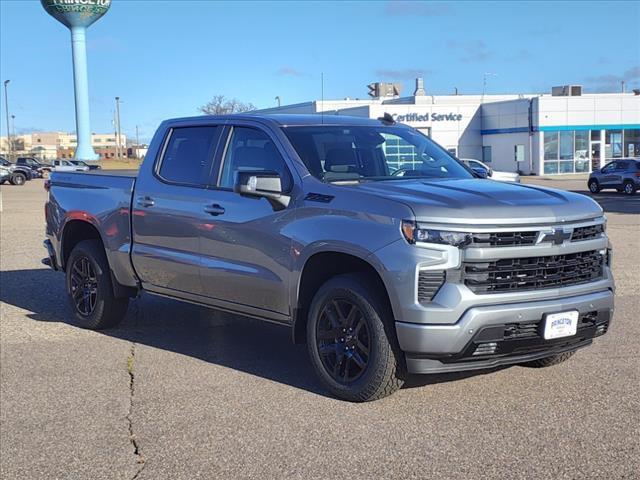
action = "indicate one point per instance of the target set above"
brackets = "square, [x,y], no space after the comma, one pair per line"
[485,202]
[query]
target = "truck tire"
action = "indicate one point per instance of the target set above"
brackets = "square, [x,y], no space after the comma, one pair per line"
[90,288]
[549,361]
[351,340]
[18,179]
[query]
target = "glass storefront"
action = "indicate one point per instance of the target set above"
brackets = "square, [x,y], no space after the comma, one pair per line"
[568,151]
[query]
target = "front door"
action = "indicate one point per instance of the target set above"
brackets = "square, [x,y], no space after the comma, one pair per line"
[595,155]
[246,254]
[168,211]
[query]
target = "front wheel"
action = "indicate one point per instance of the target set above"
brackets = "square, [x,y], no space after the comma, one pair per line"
[351,340]
[90,288]
[594,186]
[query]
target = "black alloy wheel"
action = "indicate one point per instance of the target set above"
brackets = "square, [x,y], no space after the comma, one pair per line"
[84,286]
[343,340]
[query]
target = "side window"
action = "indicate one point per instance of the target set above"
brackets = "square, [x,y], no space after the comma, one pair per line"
[252,149]
[609,168]
[189,154]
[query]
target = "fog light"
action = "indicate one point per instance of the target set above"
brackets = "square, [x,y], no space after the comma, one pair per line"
[486,348]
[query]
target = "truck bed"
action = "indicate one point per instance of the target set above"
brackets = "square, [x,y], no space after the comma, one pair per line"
[102,198]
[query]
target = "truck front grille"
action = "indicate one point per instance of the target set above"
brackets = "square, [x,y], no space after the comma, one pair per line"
[429,282]
[515,239]
[532,273]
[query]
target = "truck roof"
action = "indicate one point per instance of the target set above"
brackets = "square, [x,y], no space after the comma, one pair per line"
[287,119]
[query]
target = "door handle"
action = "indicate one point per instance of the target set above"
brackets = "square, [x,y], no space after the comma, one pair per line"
[145,202]
[214,209]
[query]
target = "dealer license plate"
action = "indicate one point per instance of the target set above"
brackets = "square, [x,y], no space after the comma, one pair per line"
[561,324]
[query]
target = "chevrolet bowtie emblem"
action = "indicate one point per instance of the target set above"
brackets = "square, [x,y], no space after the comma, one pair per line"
[555,235]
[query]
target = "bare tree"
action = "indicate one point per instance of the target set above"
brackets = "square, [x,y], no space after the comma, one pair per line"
[221,105]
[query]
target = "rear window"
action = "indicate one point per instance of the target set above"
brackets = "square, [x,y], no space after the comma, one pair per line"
[189,154]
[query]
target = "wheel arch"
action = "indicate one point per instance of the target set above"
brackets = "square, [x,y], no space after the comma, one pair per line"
[78,230]
[320,267]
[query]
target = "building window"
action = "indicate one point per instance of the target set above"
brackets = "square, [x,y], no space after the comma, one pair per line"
[486,154]
[566,145]
[453,151]
[551,145]
[613,144]
[632,143]
[595,135]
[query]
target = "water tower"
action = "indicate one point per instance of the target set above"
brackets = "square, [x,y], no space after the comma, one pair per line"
[78,15]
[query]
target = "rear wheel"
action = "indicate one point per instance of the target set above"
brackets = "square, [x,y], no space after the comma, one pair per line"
[549,361]
[18,179]
[90,288]
[351,340]
[629,188]
[594,186]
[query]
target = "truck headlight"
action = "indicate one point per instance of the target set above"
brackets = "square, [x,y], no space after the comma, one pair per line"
[414,234]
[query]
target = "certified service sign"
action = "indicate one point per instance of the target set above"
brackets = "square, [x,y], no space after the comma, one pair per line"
[76,13]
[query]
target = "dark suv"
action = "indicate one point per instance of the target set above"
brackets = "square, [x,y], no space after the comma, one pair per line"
[38,168]
[19,173]
[623,175]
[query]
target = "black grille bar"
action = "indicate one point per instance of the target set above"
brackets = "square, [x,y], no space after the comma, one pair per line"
[429,282]
[587,233]
[533,273]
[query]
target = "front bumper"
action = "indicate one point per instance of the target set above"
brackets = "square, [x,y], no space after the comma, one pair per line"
[514,329]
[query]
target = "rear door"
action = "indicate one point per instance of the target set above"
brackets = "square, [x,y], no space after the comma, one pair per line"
[167,210]
[246,256]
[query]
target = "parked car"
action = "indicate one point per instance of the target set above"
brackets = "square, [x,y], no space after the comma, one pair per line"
[80,163]
[5,174]
[41,168]
[486,171]
[19,173]
[622,174]
[67,166]
[302,223]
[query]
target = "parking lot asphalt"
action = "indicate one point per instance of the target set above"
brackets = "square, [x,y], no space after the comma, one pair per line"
[181,392]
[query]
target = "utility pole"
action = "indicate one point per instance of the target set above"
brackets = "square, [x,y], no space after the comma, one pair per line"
[118,131]
[278,100]
[137,143]
[6,106]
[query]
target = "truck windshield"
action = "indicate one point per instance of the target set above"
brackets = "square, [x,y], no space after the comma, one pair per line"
[345,153]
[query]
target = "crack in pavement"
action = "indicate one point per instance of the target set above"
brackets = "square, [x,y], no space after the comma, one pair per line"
[140,460]
[132,437]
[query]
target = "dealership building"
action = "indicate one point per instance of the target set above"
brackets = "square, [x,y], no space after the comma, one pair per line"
[562,132]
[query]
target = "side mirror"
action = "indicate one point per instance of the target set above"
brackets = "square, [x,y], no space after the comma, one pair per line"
[261,183]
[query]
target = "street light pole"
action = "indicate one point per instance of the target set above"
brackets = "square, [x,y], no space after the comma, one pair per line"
[13,132]
[6,106]
[278,100]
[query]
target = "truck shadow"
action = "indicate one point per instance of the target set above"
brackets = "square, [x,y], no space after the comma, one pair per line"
[244,344]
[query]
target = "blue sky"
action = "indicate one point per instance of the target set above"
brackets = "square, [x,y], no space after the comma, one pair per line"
[166,58]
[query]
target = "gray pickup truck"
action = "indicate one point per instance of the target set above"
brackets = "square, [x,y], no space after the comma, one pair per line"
[375,246]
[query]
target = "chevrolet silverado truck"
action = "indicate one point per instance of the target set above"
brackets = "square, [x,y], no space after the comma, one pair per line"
[370,242]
